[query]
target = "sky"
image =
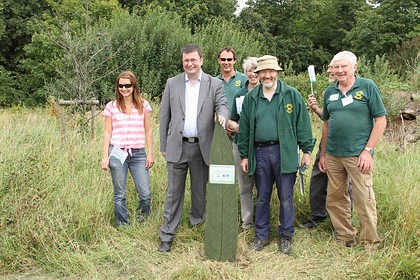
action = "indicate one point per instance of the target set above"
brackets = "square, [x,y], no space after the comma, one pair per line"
[241,5]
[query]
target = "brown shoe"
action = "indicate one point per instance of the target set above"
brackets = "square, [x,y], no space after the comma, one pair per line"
[344,243]
[372,246]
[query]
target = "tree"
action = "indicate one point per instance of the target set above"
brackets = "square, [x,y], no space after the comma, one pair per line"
[383,26]
[218,33]
[288,30]
[82,63]
[68,20]
[9,94]
[75,62]
[196,13]
[14,34]
[153,54]
[335,18]
[2,22]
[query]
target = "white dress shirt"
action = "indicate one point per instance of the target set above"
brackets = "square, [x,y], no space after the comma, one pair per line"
[191,104]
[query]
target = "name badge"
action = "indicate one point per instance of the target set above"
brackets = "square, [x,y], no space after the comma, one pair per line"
[333,97]
[347,100]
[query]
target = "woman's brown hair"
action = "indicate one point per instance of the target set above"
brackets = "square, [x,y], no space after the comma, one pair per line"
[137,100]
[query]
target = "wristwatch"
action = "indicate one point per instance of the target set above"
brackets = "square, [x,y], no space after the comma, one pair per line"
[370,151]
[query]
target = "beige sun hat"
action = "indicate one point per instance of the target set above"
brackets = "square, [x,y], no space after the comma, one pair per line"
[267,62]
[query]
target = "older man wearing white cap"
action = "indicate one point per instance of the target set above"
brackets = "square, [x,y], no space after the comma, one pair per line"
[274,123]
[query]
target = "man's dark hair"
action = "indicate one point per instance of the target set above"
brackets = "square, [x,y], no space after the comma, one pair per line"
[191,48]
[228,49]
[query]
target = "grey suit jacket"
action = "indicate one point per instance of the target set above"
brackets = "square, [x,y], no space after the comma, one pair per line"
[211,99]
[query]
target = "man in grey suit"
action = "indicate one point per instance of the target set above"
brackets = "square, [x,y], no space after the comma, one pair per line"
[187,119]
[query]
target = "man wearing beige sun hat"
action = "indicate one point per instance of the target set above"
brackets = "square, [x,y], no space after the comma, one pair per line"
[274,123]
[268,62]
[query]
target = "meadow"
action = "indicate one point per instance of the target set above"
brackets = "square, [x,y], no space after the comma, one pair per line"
[57,217]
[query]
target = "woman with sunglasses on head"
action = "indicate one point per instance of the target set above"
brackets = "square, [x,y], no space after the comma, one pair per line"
[128,130]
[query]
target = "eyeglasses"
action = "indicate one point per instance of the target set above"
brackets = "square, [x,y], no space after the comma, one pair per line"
[192,60]
[228,59]
[125,85]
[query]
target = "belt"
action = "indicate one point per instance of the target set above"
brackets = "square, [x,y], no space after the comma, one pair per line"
[265,144]
[190,139]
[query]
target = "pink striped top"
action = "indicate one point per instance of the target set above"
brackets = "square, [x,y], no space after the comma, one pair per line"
[127,130]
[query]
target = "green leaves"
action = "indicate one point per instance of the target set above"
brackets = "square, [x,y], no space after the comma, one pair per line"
[381,28]
[219,33]
[42,42]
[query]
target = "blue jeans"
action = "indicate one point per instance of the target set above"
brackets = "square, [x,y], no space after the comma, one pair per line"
[268,172]
[136,163]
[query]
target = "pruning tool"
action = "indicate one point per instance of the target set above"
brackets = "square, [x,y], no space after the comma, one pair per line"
[301,169]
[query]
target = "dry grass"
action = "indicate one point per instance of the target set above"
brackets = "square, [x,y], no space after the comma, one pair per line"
[57,219]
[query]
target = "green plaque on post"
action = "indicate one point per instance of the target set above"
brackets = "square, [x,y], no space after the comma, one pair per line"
[221,237]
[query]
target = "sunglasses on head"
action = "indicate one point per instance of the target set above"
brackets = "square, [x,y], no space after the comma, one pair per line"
[224,59]
[125,85]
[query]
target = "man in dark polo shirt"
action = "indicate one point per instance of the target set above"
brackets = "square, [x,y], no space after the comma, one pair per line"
[354,121]
[233,80]
[274,123]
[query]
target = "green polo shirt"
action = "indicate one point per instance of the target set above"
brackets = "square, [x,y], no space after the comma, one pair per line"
[350,117]
[236,82]
[266,118]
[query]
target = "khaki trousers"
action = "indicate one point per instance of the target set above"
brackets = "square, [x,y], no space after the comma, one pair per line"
[246,184]
[338,200]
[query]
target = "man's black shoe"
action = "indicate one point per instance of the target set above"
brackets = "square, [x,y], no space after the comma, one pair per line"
[313,222]
[165,246]
[285,245]
[258,244]
[198,225]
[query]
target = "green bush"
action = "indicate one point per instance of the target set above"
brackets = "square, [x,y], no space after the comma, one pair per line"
[303,85]
[152,51]
[388,82]
[148,44]
[9,95]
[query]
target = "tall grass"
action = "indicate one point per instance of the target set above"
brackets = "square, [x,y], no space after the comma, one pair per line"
[57,218]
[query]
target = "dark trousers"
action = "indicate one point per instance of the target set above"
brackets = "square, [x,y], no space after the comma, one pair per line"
[268,172]
[318,190]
